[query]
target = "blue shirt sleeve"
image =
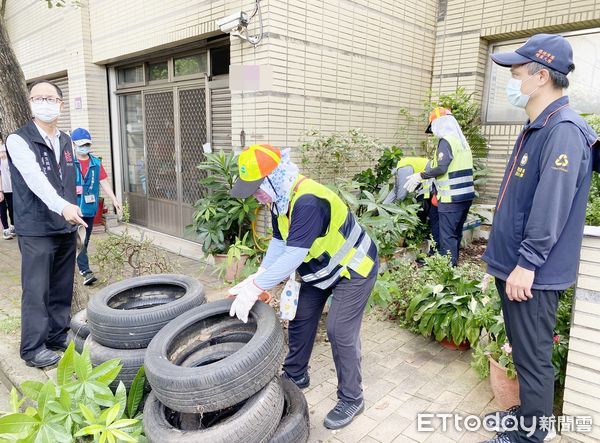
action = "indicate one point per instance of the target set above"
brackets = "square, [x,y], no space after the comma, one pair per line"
[281,269]
[564,164]
[310,218]
[274,251]
[444,158]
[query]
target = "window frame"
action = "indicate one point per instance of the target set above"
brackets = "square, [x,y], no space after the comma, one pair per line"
[485,103]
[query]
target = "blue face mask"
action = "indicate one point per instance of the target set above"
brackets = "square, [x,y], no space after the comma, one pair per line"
[83,150]
[514,94]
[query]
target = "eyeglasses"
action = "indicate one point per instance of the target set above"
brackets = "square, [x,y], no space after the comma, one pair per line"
[38,99]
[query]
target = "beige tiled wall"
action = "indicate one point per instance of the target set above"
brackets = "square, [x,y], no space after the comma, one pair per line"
[338,65]
[582,385]
[462,45]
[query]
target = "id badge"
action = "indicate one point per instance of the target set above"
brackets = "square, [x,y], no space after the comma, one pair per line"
[90,198]
[79,190]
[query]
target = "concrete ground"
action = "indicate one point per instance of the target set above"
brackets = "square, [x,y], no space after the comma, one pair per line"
[403,373]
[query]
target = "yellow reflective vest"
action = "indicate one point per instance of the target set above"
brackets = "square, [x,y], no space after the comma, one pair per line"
[344,246]
[417,163]
[456,185]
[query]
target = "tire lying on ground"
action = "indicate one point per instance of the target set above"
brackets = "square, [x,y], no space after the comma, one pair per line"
[294,426]
[79,324]
[220,384]
[252,421]
[127,314]
[131,359]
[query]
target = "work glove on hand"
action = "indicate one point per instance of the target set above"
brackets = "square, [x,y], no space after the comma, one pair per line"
[412,182]
[247,280]
[245,298]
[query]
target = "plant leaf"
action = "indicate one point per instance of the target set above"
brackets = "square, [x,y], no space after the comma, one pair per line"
[17,423]
[121,398]
[31,388]
[136,392]
[65,369]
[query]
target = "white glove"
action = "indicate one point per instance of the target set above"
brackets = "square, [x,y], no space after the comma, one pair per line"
[245,298]
[412,182]
[247,280]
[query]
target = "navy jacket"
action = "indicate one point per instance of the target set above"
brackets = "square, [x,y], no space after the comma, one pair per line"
[540,212]
[32,216]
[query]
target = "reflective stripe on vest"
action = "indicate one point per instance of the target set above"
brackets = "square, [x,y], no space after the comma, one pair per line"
[457,183]
[339,246]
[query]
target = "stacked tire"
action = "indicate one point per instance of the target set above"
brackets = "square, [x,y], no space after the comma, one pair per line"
[214,379]
[125,316]
[79,330]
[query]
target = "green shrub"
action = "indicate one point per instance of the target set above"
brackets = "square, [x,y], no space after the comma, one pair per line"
[79,405]
[330,158]
[220,219]
[372,179]
[394,289]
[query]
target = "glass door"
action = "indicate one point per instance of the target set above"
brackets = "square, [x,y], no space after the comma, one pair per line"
[134,161]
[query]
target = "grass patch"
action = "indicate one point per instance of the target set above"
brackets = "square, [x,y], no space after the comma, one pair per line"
[10,325]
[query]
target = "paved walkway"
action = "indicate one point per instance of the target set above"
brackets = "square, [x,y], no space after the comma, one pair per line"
[403,373]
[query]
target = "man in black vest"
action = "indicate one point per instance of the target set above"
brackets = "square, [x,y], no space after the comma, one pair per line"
[46,218]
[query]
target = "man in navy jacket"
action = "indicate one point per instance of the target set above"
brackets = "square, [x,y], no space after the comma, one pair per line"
[533,250]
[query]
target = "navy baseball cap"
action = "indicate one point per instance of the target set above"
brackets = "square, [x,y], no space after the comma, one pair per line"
[550,50]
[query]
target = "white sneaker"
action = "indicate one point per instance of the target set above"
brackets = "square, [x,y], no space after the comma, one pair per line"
[12,231]
[6,234]
[551,434]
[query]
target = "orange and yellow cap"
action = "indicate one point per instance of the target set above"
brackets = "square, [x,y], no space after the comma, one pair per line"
[258,161]
[254,164]
[437,113]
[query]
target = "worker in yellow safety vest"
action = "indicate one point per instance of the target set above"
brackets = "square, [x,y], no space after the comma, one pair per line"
[449,182]
[315,234]
[406,167]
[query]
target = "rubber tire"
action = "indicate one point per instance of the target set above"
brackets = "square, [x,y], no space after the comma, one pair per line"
[135,328]
[131,359]
[79,324]
[294,426]
[79,341]
[255,422]
[221,384]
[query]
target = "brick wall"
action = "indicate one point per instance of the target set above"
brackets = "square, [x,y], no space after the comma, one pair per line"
[337,65]
[582,385]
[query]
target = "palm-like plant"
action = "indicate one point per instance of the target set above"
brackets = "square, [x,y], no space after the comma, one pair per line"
[219,218]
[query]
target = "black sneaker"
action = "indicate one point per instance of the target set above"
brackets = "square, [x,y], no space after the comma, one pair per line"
[89,278]
[302,381]
[500,437]
[43,358]
[494,421]
[343,414]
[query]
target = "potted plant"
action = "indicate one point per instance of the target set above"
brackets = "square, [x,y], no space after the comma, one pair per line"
[493,356]
[448,304]
[221,220]
[234,261]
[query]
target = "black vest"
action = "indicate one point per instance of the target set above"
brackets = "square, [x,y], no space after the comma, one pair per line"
[32,216]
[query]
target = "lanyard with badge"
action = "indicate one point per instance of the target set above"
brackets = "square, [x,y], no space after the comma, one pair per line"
[89,196]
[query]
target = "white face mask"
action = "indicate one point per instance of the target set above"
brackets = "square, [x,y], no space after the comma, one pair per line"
[83,150]
[514,94]
[46,112]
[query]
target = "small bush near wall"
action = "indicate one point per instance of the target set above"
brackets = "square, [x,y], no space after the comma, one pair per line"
[329,158]
[465,110]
